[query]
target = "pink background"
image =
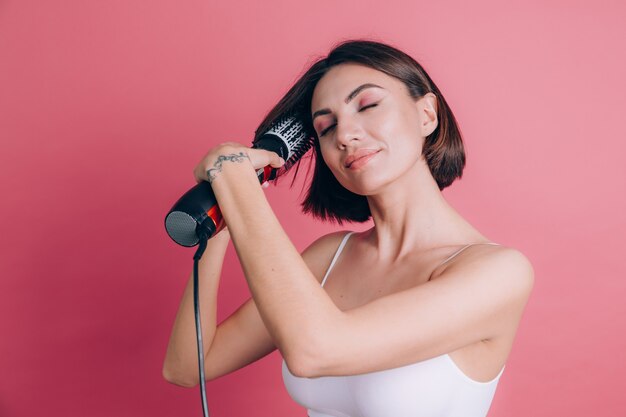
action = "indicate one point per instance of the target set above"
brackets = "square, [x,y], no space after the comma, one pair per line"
[106,107]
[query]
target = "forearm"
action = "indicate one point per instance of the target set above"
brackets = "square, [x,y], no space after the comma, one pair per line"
[292,304]
[181,359]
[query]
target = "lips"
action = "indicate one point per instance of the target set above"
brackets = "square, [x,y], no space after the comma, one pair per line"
[360,153]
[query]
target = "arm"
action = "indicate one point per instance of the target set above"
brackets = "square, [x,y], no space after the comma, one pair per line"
[295,309]
[181,358]
[481,297]
[242,338]
[470,302]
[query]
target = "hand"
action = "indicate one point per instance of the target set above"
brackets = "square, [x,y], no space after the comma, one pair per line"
[233,152]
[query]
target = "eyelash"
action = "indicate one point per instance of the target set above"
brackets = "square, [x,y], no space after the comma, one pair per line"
[332,126]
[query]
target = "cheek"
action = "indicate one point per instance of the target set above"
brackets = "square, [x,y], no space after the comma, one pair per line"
[401,138]
[406,137]
[391,126]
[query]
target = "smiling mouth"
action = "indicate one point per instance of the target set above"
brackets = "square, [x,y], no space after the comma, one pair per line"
[363,159]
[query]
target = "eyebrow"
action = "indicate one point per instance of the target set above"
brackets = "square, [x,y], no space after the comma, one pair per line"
[347,100]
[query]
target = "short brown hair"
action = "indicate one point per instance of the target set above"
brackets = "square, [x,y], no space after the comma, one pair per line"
[443,149]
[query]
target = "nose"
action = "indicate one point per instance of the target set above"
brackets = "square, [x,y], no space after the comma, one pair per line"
[346,131]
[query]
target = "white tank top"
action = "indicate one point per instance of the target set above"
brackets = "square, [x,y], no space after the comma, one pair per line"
[434,387]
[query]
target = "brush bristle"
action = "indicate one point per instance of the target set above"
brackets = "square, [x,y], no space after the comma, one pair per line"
[294,135]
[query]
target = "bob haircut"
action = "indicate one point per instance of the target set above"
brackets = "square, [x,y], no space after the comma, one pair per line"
[326,198]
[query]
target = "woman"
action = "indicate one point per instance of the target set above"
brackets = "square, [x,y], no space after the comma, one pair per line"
[419,313]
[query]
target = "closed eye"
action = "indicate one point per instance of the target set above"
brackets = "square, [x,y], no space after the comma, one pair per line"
[333,126]
[326,130]
[368,106]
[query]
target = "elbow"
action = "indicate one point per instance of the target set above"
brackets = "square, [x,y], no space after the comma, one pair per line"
[178,378]
[300,368]
[309,354]
[304,362]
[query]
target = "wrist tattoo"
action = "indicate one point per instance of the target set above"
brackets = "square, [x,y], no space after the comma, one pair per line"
[217,166]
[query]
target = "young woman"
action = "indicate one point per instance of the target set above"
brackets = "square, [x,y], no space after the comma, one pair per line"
[413,317]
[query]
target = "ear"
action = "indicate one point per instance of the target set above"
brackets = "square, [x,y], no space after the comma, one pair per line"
[427,107]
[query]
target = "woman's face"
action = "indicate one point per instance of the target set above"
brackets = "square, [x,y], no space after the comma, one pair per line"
[370,130]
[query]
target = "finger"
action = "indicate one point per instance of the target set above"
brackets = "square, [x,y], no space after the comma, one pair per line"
[275,160]
[196,175]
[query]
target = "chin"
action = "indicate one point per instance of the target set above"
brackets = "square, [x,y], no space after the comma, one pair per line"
[367,185]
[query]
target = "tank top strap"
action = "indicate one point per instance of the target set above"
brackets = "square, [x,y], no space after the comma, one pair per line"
[462,249]
[339,249]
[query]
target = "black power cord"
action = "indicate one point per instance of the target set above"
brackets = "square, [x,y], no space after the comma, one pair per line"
[196,307]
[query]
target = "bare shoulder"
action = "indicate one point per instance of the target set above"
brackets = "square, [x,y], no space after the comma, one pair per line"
[495,266]
[320,252]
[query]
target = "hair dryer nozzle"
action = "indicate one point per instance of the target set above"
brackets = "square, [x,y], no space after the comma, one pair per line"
[195,215]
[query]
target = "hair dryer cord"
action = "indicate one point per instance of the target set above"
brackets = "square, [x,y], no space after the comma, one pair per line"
[196,307]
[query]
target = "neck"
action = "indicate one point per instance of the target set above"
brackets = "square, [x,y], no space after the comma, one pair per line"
[411,215]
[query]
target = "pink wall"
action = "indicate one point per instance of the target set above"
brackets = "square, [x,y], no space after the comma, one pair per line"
[106,107]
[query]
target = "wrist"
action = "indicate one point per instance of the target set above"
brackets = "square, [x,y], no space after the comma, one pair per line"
[228,161]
